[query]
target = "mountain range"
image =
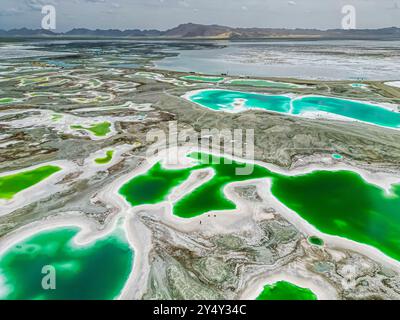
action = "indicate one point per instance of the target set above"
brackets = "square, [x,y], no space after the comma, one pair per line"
[199,31]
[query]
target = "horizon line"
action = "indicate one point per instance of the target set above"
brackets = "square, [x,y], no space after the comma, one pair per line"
[191,23]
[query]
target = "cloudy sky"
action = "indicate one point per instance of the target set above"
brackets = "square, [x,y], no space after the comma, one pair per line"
[164,14]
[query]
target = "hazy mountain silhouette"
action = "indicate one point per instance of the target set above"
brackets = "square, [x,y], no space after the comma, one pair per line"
[191,30]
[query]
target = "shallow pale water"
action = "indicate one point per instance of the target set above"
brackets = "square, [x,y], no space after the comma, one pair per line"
[283,290]
[155,185]
[7,100]
[12,184]
[237,101]
[210,195]
[97,270]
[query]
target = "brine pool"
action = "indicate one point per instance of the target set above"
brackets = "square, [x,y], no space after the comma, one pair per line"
[325,199]
[12,184]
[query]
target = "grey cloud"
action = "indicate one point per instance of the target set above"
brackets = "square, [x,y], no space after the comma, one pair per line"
[38,4]
[10,12]
[164,14]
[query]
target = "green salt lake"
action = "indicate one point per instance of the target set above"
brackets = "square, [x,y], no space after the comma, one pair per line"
[98,270]
[237,101]
[323,198]
[283,290]
[359,85]
[12,184]
[7,100]
[106,159]
[99,129]
[56,117]
[337,156]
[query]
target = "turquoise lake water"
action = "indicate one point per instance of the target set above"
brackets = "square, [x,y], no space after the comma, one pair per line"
[94,271]
[225,100]
[237,101]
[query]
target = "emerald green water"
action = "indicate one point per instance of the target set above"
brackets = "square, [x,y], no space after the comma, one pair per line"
[56,117]
[316,241]
[7,100]
[99,130]
[210,195]
[337,156]
[25,82]
[12,184]
[225,100]
[106,159]
[261,83]
[351,109]
[337,203]
[283,290]
[98,270]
